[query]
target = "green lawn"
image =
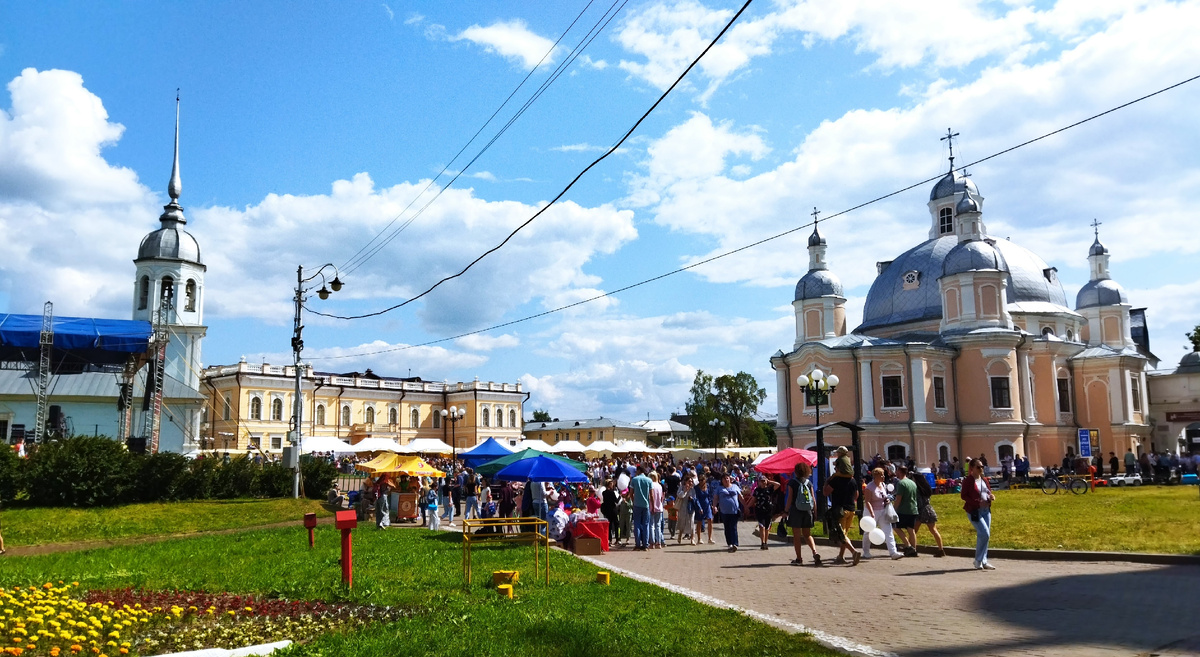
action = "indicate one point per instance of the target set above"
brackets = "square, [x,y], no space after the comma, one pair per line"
[37,526]
[421,571]
[1140,519]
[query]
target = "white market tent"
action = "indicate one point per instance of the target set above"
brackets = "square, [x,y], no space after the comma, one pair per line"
[328,444]
[750,451]
[374,445]
[539,445]
[567,447]
[603,447]
[698,454]
[428,446]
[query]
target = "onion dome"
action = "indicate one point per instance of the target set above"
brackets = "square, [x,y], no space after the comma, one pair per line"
[1101,292]
[953,183]
[973,256]
[818,283]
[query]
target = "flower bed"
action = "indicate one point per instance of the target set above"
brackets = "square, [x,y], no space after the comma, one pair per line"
[58,621]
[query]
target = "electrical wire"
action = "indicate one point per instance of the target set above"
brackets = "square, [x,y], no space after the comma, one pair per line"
[553,77]
[763,240]
[355,261]
[562,193]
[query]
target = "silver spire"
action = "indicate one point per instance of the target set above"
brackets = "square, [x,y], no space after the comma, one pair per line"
[176,185]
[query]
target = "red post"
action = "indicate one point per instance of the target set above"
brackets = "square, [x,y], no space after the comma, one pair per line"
[346,521]
[310,523]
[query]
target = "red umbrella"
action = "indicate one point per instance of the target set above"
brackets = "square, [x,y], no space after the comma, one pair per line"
[785,462]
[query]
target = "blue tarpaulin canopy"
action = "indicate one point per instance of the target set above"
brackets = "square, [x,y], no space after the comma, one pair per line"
[78,341]
[486,451]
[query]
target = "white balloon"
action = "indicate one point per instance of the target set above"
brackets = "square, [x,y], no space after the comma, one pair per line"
[876,536]
[867,524]
[623,481]
[891,488]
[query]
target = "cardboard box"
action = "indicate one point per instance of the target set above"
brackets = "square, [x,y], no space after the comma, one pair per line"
[587,546]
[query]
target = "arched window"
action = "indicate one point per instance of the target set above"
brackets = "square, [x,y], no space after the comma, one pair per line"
[414,418]
[227,412]
[143,292]
[437,418]
[500,418]
[897,452]
[370,415]
[512,419]
[255,408]
[393,415]
[945,221]
[345,416]
[277,409]
[485,417]
[189,292]
[168,287]
[320,415]
[944,453]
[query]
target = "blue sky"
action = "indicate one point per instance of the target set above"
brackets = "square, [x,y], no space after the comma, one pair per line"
[307,128]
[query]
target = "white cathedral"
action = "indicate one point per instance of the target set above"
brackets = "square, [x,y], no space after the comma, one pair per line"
[168,292]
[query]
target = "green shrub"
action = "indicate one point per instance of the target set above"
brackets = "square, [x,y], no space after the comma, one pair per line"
[318,476]
[236,478]
[273,480]
[200,480]
[10,473]
[79,471]
[161,477]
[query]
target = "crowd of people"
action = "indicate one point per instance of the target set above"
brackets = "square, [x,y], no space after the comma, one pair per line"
[649,501]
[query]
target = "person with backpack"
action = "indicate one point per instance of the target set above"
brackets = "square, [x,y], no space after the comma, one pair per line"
[764,508]
[925,513]
[799,505]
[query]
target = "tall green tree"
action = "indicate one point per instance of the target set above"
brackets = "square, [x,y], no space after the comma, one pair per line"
[1193,336]
[729,398]
[541,415]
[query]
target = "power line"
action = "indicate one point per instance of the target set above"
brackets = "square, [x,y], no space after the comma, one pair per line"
[562,193]
[356,261]
[761,241]
[551,79]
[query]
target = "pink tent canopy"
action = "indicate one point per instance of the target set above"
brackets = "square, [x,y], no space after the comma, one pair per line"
[784,462]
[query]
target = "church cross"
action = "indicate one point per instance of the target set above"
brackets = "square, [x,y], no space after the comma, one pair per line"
[815,215]
[1096,228]
[949,138]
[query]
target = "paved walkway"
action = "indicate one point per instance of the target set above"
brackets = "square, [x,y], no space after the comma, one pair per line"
[931,607]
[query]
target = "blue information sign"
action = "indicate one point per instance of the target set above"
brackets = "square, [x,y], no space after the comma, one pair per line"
[1085,443]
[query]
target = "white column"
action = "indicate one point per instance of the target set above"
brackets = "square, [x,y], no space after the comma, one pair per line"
[918,390]
[1024,379]
[867,391]
[781,391]
[827,319]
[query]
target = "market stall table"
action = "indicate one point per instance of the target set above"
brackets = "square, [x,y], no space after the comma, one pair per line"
[592,529]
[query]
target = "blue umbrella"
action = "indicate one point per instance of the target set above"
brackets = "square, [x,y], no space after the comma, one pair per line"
[540,468]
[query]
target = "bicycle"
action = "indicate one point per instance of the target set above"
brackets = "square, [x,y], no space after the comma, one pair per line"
[1078,484]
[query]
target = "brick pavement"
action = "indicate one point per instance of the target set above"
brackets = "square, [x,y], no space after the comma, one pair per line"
[931,607]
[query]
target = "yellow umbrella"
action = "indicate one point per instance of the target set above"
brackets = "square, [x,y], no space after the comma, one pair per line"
[400,464]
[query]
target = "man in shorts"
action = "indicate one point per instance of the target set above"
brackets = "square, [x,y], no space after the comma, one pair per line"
[906,507]
[843,494]
[764,508]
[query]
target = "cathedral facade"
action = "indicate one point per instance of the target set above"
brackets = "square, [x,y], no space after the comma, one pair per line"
[968,347]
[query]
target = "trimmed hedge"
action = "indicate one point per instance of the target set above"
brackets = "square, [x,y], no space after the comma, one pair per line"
[86,471]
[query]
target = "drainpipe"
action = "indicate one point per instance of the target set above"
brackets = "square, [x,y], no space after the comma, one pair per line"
[787,398]
[341,389]
[312,415]
[212,423]
[239,398]
[912,403]
[400,414]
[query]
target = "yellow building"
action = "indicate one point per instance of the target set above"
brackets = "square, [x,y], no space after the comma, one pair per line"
[585,431]
[250,406]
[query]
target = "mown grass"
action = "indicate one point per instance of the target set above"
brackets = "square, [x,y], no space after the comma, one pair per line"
[1160,519]
[421,571]
[38,526]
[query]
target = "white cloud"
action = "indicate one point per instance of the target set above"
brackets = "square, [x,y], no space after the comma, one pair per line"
[391,14]
[512,40]
[579,148]
[413,19]
[669,35]
[393,359]
[483,342]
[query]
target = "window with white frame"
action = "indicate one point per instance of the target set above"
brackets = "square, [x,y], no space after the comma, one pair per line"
[1001,393]
[276,441]
[1135,390]
[143,292]
[512,418]
[227,411]
[893,391]
[256,408]
[320,413]
[437,418]
[345,416]
[277,409]
[370,415]
[1064,395]
[939,392]
[414,418]
[393,415]
[486,417]
[945,221]
[499,417]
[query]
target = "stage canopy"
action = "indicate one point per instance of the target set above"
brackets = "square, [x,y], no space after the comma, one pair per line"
[78,341]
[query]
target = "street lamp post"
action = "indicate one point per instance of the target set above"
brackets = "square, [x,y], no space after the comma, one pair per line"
[718,426]
[816,388]
[454,415]
[297,347]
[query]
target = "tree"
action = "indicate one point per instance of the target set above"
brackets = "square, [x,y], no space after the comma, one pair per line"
[1193,336]
[729,398]
[541,415]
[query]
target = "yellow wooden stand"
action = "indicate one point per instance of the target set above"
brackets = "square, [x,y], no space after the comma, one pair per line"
[505,591]
[602,578]
[532,535]
[505,577]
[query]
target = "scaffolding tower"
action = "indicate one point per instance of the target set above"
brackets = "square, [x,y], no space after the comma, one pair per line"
[45,346]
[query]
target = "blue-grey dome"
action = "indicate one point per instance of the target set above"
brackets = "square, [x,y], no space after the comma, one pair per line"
[1189,363]
[951,184]
[818,283]
[170,243]
[971,256]
[1098,248]
[888,303]
[1104,292]
[816,239]
[967,204]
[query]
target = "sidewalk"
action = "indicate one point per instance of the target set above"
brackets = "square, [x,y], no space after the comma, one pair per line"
[942,607]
